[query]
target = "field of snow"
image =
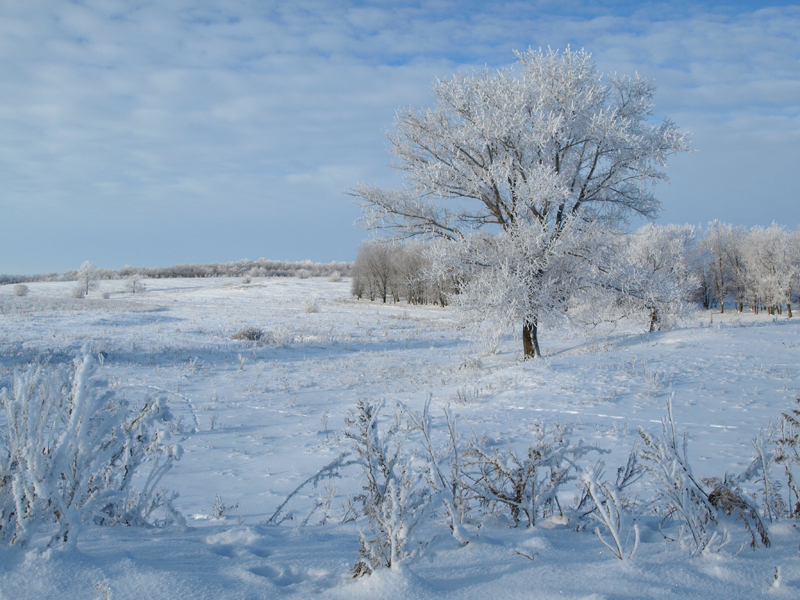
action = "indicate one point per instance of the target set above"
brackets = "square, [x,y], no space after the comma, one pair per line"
[258,418]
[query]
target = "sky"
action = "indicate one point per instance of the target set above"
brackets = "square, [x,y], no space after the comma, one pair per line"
[158,133]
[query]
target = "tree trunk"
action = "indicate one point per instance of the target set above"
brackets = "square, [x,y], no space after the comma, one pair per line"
[655,319]
[530,340]
[789,310]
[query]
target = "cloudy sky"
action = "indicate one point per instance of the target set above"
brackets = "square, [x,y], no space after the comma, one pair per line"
[155,133]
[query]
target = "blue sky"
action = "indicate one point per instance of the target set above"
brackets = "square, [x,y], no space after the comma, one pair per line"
[156,133]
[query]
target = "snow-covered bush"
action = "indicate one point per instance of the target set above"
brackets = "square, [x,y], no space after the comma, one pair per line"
[335,277]
[394,497]
[445,467]
[310,305]
[680,496]
[250,334]
[72,452]
[78,292]
[20,290]
[611,510]
[302,274]
[788,455]
[525,484]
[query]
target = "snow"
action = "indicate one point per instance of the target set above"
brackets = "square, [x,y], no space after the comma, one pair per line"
[256,419]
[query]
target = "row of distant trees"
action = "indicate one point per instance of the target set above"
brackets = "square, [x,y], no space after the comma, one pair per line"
[757,268]
[243,268]
[393,270]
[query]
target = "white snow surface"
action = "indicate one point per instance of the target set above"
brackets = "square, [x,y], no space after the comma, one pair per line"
[256,419]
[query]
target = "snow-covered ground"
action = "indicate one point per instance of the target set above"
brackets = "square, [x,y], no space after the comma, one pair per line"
[256,419]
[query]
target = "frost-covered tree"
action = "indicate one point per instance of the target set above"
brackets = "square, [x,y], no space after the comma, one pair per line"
[733,251]
[87,276]
[524,274]
[715,241]
[545,146]
[134,285]
[770,267]
[725,244]
[374,269]
[653,271]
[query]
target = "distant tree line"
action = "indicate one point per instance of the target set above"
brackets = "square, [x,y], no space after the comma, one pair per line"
[242,268]
[392,270]
[758,269]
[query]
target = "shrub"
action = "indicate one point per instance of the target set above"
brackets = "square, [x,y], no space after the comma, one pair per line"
[394,497]
[251,334]
[679,495]
[788,455]
[78,292]
[302,274]
[611,507]
[20,290]
[72,452]
[310,305]
[335,277]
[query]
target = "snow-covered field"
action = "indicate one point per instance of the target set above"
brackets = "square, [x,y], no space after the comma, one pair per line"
[256,419]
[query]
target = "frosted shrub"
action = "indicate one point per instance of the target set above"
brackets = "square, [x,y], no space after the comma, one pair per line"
[335,277]
[678,494]
[78,292]
[252,334]
[612,508]
[788,455]
[302,274]
[72,453]
[526,483]
[394,497]
[20,290]
[310,305]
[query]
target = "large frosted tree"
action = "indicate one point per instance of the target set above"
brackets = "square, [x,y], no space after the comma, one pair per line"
[550,145]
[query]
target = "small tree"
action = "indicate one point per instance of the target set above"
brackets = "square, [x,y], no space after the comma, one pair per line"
[558,142]
[87,276]
[134,285]
[652,271]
